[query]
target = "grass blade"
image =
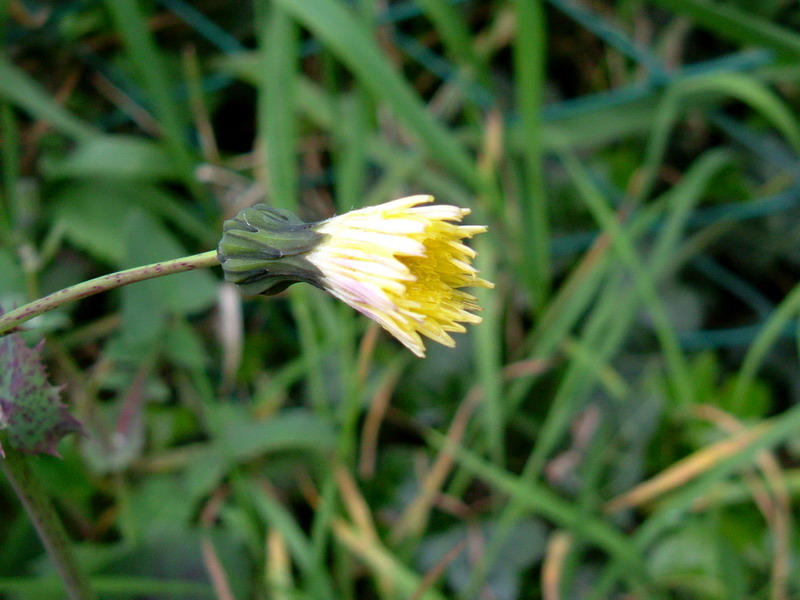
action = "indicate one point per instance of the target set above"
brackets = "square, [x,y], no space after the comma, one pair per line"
[529,60]
[276,116]
[19,88]
[737,24]
[149,62]
[338,28]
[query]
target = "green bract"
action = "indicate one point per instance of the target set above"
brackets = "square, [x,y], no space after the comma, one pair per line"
[263,250]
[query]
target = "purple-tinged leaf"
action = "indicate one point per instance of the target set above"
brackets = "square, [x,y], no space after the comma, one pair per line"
[31,411]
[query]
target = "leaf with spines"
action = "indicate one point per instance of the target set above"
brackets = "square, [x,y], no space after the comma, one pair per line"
[31,411]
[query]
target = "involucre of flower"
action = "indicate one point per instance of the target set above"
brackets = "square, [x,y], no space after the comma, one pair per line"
[402,263]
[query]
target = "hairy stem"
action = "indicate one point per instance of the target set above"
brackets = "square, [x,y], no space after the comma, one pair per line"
[48,526]
[13,319]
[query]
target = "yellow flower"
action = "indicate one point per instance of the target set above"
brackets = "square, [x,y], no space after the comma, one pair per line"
[402,264]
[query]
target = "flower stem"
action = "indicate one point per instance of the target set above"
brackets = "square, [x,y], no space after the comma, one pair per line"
[48,526]
[13,319]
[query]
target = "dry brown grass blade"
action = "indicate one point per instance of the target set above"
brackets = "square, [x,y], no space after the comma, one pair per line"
[201,117]
[772,499]
[126,104]
[230,332]
[359,512]
[32,136]
[380,561]
[372,423]
[278,567]
[492,151]
[432,576]
[32,19]
[354,502]
[216,572]
[685,470]
[366,349]
[553,567]
[416,514]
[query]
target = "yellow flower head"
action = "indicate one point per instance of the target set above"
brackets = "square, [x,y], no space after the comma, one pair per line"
[401,263]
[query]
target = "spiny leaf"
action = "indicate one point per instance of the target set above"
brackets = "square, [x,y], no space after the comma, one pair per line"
[30,408]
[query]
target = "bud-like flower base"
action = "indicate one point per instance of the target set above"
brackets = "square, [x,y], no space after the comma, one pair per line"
[263,250]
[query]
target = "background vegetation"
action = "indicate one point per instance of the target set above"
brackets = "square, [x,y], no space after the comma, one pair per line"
[623,424]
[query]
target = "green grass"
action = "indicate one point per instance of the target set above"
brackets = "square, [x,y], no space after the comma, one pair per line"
[285,447]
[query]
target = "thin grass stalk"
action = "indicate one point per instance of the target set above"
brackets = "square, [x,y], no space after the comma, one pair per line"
[337,26]
[278,517]
[277,105]
[739,24]
[132,26]
[48,526]
[488,355]
[529,66]
[24,92]
[642,277]
[10,161]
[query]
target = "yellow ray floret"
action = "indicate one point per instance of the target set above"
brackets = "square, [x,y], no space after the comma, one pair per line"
[402,264]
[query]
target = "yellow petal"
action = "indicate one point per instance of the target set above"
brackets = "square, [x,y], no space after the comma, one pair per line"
[402,264]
